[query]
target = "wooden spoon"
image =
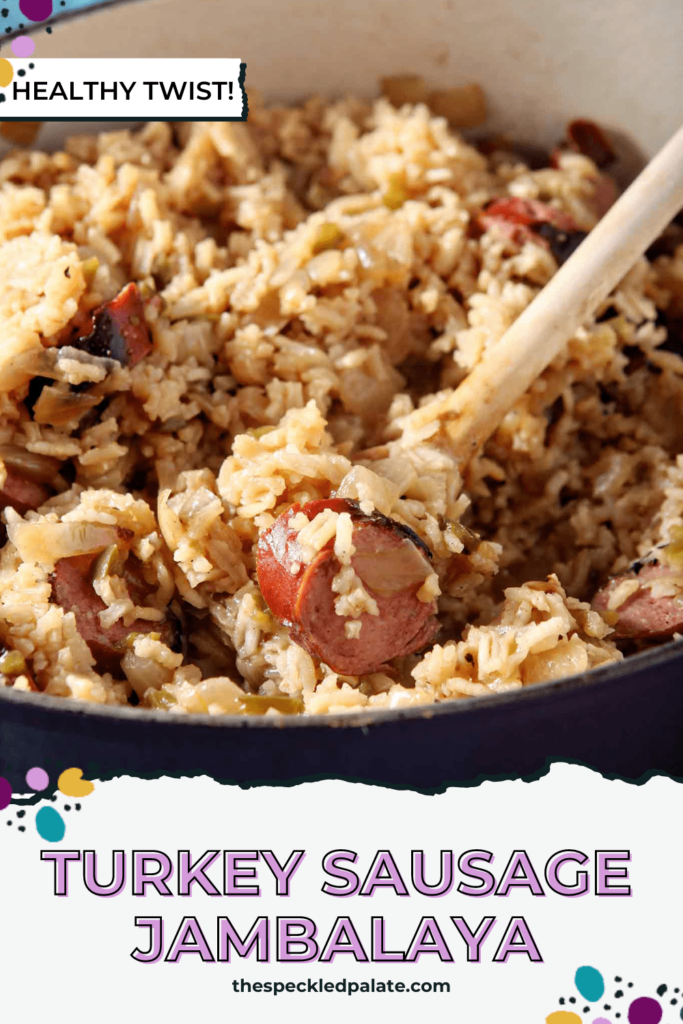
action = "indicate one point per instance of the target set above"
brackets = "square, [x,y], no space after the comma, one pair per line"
[569,299]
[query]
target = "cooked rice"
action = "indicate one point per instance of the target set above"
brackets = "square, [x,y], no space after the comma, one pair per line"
[315,533]
[344,548]
[315,294]
[353,598]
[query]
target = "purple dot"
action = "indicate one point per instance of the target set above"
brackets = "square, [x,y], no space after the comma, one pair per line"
[644,1011]
[5,793]
[23,46]
[36,10]
[37,778]
[601,1020]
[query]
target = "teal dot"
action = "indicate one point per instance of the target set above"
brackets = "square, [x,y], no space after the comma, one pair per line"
[50,824]
[590,983]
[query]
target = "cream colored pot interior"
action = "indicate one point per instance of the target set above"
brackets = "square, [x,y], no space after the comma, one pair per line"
[541,62]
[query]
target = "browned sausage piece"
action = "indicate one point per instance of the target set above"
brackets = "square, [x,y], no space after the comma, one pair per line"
[119,330]
[642,616]
[519,219]
[22,494]
[587,138]
[72,589]
[390,560]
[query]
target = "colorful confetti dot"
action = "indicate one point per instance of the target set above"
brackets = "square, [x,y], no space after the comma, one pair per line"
[6,72]
[72,783]
[590,983]
[563,1017]
[5,793]
[601,1020]
[36,10]
[50,824]
[644,1011]
[23,46]
[37,778]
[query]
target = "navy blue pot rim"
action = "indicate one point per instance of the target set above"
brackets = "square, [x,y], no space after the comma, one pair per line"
[599,677]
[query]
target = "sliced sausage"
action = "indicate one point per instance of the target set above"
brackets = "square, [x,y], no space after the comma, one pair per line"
[587,138]
[72,589]
[22,494]
[390,560]
[115,330]
[642,616]
[605,195]
[119,329]
[518,219]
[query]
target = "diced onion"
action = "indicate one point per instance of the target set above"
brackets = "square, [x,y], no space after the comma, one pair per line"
[46,543]
[42,469]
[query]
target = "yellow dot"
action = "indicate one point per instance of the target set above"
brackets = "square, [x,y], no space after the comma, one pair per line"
[72,783]
[563,1017]
[6,72]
